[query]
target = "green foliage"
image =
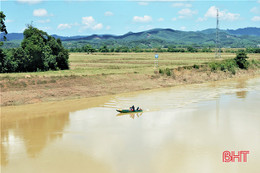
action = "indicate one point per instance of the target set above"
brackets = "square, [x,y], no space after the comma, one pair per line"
[253,50]
[213,66]
[122,49]
[88,48]
[172,49]
[241,60]
[103,49]
[226,65]
[254,63]
[38,52]
[196,66]
[166,71]
[206,50]
[2,25]
[192,49]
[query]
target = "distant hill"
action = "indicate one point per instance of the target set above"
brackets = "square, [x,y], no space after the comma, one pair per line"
[12,36]
[245,31]
[253,31]
[19,36]
[245,37]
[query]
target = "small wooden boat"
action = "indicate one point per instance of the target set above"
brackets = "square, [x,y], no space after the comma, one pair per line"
[128,110]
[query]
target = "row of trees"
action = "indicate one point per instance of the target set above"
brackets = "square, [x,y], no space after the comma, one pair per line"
[89,49]
[38,52]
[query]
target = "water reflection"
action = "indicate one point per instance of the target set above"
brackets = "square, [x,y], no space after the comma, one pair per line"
[35,126]
[35,134]
[242,84]
[4,153]
[131,115]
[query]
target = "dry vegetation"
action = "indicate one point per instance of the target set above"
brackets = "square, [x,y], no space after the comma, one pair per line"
[102,74]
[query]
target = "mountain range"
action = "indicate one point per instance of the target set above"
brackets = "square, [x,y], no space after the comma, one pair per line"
[243,37]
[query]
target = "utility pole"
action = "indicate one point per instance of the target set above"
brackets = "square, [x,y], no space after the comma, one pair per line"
[156,62]
[217,49]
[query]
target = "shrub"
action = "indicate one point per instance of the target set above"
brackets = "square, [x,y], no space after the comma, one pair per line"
[254,63]
[196,66]
[213,66]
[168,72]
[241,60]
[232,70]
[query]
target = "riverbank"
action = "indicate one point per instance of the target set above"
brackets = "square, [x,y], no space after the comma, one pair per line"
[36,89]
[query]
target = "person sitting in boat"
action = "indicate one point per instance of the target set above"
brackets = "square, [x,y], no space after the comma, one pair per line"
[133,108]
[137,109]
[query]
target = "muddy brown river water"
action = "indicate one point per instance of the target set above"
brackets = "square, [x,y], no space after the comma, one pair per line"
[182,129]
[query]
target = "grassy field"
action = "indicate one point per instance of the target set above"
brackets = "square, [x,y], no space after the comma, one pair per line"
[100,74]
[82,64]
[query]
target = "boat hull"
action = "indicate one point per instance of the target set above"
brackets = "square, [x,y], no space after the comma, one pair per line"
[127,111]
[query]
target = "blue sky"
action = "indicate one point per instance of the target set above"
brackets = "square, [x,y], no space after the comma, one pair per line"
[86,17]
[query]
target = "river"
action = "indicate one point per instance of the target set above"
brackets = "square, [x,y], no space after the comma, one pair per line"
[182,129]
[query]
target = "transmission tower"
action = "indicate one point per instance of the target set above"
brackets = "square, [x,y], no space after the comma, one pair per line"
[218,50]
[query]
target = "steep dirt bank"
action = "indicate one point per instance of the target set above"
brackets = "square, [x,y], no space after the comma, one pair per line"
[29,89]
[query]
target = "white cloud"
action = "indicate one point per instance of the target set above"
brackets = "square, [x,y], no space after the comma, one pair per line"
[97,26]
[223,15]
[44,28]
[255,10]
[142,19]
[64,26]
[108,13]
[201,19]
[258,1]
[231,16]
[183,28]
[186,12]
[256,19]
[90,23]
[9,21]
[108,27]
[160,19]
[212,12]
[174,19]
[29,1]
[178,4]
[44,21]
[40,12]
[143,3]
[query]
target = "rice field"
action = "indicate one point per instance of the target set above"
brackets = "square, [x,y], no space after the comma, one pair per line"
[83,64]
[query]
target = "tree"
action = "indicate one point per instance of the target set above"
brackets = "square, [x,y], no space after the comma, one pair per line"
[38,52]
[191,49]
[241,60]
[2,24]
[88,48]
[44,51]
[2,54]
[103,49]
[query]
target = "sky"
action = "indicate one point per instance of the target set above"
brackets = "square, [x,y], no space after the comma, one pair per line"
[117,17]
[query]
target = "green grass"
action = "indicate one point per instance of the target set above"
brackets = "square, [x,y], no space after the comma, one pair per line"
[82,64]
